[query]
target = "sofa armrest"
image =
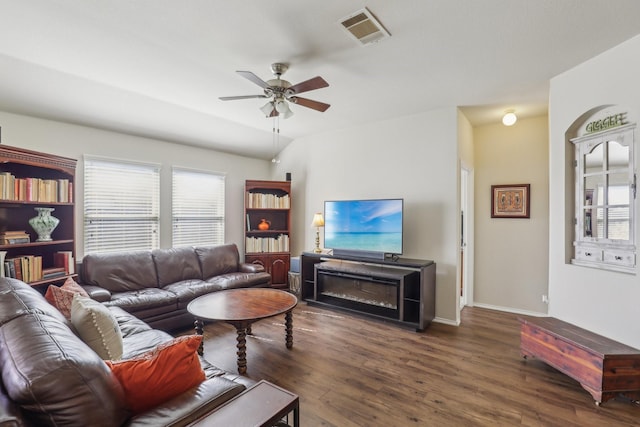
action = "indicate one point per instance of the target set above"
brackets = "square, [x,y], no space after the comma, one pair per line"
[244,267]
[97,293]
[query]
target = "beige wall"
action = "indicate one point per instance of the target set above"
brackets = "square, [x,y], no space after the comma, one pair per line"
[414,158]
[602,301]
[75,141]
[511,262]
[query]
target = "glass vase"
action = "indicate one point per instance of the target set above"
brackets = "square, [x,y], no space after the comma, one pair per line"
[44,224]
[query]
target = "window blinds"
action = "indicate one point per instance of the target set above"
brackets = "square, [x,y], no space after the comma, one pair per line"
[197,208]
[121,205]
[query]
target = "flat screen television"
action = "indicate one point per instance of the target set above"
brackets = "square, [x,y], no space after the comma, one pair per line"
[368,228]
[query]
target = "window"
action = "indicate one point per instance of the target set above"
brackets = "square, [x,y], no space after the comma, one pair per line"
[605,196]
[121,205]
[197,208]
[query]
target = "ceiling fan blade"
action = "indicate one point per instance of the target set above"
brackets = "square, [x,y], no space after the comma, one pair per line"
[310,103]
[232,98]
[307,85]
[250,76]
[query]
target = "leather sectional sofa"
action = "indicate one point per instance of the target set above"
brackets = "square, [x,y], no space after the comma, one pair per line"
[156,286]
[51,377]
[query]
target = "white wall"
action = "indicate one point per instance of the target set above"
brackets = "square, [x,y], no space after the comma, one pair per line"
[414,158]
[466,153]
[511,264]
[74,141]
[601,301]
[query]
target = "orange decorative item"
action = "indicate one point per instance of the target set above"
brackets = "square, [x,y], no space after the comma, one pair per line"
[264,224]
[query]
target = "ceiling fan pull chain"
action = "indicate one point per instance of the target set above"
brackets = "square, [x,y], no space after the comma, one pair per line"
[276,139]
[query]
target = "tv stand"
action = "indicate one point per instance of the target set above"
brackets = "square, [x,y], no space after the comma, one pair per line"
[399,290]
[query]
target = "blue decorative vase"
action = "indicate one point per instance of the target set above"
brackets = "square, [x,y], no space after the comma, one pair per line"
[44,224]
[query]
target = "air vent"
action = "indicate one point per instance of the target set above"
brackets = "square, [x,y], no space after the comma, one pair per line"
[364,27]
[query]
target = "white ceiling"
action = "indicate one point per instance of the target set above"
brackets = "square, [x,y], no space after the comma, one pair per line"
[157,67]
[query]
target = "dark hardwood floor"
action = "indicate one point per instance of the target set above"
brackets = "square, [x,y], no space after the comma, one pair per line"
[352,371]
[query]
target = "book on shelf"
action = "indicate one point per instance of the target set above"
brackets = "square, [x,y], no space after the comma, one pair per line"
[9,269]
[3,256]
[267,244]
[53,272]
[15,241]
[268,201]
[33,189]
[65,260]
[8,233]
[27,268]
[13,237]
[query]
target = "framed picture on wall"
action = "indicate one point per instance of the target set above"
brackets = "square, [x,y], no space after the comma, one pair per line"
[510,201]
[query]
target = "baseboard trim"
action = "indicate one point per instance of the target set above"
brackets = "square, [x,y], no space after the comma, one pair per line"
[446,321]
[511,310]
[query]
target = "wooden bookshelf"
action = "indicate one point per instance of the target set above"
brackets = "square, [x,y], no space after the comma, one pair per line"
[21,171]
[268,202]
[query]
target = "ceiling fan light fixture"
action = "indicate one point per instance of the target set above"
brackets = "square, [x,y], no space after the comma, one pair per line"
[282,107]
[267,108]
[280,91]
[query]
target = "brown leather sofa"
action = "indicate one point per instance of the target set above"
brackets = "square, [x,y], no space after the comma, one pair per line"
[156,286]
[51,377]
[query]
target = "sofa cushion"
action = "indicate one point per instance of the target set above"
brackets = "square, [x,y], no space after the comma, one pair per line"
[145,299]
[128,324]
[19,299]
[193,404]
[119,272]
[49,372]
[61,297]
[187,290]
[176,264]
[137,336]
[97,327]
[240,280]
[216,260]
[168,370]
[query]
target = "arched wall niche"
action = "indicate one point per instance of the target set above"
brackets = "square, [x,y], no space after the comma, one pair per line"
[601,209]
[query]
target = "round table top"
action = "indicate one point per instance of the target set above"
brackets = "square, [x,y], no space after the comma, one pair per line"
[242,304]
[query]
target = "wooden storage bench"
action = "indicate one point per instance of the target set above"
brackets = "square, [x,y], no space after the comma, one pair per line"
[603,367]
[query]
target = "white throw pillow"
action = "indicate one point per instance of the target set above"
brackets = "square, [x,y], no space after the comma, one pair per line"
[97,327]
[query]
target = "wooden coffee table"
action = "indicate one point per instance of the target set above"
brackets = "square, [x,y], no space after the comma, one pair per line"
[240,308]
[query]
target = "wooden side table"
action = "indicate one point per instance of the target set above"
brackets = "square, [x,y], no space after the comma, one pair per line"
[263,405]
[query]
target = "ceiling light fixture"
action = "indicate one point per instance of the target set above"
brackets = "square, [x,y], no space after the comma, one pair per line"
[267,108]
[282,107]
[277,107]
[510,118]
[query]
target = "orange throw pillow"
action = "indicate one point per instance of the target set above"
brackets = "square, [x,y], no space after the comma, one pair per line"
[61,297]
[160,374]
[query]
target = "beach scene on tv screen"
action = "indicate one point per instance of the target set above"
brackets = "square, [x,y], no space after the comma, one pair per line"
[368,225]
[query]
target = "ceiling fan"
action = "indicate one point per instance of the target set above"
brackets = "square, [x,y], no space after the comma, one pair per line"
[280,91]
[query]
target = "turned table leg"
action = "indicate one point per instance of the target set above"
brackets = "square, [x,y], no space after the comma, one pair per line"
[242,348]
[288,322]
[200,331]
